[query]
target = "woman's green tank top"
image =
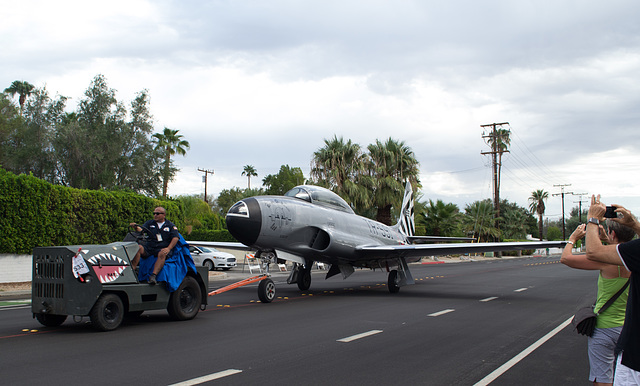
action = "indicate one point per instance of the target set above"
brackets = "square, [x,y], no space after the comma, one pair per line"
[614,315]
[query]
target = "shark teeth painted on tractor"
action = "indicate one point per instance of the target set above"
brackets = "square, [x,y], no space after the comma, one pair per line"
[108,267]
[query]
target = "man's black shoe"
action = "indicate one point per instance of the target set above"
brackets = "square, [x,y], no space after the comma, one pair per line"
[152,279]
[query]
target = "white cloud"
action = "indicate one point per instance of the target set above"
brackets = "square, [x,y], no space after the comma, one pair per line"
[263,83]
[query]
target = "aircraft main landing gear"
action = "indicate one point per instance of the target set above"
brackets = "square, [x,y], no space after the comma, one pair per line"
[393,282]
[301,275]
[304,278]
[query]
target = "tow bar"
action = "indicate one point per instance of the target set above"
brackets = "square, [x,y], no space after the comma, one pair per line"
[266,288]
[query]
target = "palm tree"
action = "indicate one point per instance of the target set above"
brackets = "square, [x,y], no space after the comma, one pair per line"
[480,220]
[441,219]
[339,166]
[502,141]
[390,165]
[536,204]
[249,171]
[22,88]
[170,142]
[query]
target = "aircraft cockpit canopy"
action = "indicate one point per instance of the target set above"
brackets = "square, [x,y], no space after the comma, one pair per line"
[319,196]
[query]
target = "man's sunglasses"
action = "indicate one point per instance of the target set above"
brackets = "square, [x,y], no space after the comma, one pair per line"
[157,213]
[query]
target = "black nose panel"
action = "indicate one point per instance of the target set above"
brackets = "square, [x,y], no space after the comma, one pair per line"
[244,221]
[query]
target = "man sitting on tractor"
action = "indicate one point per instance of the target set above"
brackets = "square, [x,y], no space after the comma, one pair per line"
[163,237]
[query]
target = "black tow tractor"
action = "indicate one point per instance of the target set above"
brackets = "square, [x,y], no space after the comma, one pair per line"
[108,290]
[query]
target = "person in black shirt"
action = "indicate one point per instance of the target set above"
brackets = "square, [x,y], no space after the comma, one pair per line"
[627,254]
[164,236]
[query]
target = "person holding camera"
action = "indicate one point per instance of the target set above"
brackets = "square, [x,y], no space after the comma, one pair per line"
[625,254]
[601,345]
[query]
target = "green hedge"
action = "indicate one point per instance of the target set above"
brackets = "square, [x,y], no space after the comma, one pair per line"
[36,213]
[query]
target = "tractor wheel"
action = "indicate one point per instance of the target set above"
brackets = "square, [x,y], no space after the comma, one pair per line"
[184,302]
[107,313]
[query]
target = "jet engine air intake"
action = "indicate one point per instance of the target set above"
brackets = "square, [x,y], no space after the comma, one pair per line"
[320,240]
[244,221]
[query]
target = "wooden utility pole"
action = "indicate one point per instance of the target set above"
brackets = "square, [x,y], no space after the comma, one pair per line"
[562,193]
[580,201]
[496,155]
[206,172]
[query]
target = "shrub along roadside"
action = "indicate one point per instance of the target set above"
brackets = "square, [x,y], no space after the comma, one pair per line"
[36,213]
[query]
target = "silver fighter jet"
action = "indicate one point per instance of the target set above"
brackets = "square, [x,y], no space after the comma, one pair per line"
[312,224]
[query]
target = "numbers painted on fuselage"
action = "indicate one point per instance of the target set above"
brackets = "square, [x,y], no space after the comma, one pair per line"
[379,230]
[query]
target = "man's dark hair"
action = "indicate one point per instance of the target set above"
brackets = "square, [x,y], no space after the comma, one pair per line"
[623,232]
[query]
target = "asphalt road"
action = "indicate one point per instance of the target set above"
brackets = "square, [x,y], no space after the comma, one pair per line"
[456,326]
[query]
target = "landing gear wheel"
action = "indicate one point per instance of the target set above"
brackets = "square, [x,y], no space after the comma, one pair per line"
[107,313]
[209,264]
[393,282]
[266,291]
[304,279]
[184,302]
[51,320]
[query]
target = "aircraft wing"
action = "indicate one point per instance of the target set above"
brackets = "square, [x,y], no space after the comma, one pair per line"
[423,250]
[433,239]
[220,244]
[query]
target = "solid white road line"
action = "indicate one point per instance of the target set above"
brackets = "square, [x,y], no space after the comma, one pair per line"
[441,312]
[520,289]
[489,299]
[359,336]
[503,369]
[207,378]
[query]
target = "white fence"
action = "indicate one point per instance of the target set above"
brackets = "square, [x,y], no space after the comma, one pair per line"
[15,268]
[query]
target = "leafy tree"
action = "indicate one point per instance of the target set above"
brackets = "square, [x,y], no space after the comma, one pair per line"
[249,171]
[287,178]
[29,145]
[98,148]
[196,212]
[170,142]
[10,121]
[22,88]
[554,233]
[389,165]
[440,219]
[339,166]
[228,197]
[140,166]
[536,205]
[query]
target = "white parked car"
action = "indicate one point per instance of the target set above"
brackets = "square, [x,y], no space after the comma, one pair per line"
[212,258]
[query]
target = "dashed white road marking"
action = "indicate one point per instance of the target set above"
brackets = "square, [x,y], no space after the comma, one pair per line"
[512,362]
[442,312]
[359,336]
[520,289]
[489,299]
[207,378]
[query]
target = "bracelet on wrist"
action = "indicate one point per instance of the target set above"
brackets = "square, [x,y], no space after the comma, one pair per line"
[570,242]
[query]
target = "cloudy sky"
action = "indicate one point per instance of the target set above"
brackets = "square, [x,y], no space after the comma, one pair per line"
[264,83]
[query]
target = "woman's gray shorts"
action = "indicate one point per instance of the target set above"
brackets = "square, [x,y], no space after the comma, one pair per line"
[601,357]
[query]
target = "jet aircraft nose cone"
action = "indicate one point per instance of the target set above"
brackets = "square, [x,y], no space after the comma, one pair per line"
[244,221]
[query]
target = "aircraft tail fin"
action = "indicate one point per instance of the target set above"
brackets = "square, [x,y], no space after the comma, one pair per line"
[406,224]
